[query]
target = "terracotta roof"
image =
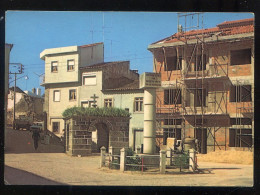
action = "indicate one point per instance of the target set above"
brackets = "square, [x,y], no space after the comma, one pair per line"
[90,45]
[101,65]
[223,29]
[243,22]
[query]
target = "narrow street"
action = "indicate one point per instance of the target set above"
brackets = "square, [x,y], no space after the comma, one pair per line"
[21,142]
[49,166]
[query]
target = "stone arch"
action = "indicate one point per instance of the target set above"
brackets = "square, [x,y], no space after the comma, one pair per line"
[101,129]
[101,120]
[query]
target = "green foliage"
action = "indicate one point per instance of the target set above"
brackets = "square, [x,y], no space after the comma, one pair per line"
[99,112]
[115,166]
[134,160]
[130,152]
[182,161]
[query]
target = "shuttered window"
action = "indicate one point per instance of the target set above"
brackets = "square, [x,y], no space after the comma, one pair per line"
[89,79]
[56,95]
[54,66]
[70,65]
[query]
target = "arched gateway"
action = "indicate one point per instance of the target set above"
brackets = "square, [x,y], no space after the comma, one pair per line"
[87,134]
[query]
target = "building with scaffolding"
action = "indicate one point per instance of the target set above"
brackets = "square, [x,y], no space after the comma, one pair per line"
[207,89]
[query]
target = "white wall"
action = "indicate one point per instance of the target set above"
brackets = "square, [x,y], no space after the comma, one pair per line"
[126,100]
[91,55]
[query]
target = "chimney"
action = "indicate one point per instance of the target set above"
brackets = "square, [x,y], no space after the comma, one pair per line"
[39,91]
[33,90]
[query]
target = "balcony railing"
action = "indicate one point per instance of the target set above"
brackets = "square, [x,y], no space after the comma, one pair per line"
[215,70]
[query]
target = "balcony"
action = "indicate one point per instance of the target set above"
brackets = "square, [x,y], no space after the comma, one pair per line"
[215,71]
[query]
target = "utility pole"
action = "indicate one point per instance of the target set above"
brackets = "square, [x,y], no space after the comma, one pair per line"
[20,71]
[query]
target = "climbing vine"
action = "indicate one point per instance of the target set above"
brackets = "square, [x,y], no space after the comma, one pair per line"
[100,112]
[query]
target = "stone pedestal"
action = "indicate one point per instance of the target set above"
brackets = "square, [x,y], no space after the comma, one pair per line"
[122,159]
[102,155]
[192,164]
[162,161]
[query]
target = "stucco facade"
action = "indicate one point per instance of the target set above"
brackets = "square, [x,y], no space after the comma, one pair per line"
[63,77]
[125,99]
[93,81]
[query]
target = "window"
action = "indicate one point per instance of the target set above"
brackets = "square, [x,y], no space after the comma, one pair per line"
[240,137]
[138,104]
[199,97]
[108,102]
[172,121]
[172,96]
[173,63]
[55,127]
[87,104]
[171,132]
[72,94]
[200,64]
[240,121]
[240,57]
[240,93]
[70,65]
[89,79]
[54,66]
[56,95]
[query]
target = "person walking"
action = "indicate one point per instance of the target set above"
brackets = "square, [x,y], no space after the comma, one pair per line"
[36,136]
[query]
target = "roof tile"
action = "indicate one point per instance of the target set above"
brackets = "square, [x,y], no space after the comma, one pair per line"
[223,29]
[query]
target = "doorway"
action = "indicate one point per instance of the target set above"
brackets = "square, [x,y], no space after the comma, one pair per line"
[201,135]
[102,136]
[138,138]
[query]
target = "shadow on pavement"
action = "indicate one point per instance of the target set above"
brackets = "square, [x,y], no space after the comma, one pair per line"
[15,176]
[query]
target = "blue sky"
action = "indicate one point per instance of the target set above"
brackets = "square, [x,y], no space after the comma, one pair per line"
[126,35]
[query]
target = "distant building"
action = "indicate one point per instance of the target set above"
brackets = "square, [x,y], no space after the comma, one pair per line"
[78,76]
[26,104]
[8,48]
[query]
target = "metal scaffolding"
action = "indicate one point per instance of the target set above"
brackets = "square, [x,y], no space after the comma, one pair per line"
[193,79]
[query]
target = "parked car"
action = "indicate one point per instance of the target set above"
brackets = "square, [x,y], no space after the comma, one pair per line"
[23,122]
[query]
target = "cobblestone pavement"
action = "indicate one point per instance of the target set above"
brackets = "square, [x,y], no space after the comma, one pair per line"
[62,168]
[48,162]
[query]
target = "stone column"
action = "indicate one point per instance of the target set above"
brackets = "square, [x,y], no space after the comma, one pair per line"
[192,164]
[162,161]
[149,121]
[122,159]
[103,157]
